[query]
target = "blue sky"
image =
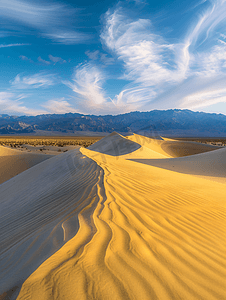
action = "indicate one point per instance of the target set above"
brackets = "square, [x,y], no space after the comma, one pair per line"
[112,57]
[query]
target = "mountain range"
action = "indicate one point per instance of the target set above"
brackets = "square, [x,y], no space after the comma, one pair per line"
[173,122]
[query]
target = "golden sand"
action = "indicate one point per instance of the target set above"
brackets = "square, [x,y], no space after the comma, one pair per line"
[112,228]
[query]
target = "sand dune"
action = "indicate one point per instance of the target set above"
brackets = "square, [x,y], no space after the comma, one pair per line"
[210,165]
[39,212]
[91,224]
[13,162]
[170,147]
[115,144]
[128,147]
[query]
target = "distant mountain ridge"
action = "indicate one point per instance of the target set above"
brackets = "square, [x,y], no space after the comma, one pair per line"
[173,122]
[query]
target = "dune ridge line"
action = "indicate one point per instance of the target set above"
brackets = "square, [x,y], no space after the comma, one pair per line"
[126,230]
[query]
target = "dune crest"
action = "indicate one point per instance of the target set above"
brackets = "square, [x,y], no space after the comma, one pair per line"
[210,165]
[117,229]
[39,212]
[170,147]
[115,144]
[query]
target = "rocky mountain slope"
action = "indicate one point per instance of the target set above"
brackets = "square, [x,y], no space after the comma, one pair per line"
[157,122]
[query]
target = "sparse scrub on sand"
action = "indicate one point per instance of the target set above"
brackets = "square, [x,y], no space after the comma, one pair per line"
[221,142]
[16,142]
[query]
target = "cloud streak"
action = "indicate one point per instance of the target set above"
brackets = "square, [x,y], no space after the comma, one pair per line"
[12,45]
[53,21]
[59,106]
[12,103]
[43,61]
[154,66]
[146,56]
[87,84]
[153,69]
[35,81]
[55,59]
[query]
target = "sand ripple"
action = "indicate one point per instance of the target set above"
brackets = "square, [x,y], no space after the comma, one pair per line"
[149,233]
[91,224]
[39,212]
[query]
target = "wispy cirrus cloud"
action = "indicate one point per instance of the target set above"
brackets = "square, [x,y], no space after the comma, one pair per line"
[154,66]
[103,57]
[210,21]
[146,55]
[59,106]
[53,60]
[87,84]
[52,20]
[23,57]
[12,45]
[196,100]
[56,59]
[150,62]
[12,103]
[93,55]
[153,69]
[68,37]
[34,81]
[43,61]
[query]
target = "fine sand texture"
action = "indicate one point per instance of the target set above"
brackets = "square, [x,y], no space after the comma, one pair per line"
[13,162]
[98,223]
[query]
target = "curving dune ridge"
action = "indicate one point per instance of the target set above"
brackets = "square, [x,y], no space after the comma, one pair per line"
[115,228]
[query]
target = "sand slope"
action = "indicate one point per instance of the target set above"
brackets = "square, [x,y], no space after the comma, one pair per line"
[39,212]
[13,162]
[170,147]
[208,164]
[115,144]
[136,232]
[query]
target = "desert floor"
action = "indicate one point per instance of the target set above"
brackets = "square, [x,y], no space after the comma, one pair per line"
[126,218]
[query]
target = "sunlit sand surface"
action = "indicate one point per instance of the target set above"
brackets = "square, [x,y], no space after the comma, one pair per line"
[109,223]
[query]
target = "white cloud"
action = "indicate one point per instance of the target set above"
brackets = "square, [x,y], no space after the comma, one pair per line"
[87,84]
[204,98]
[53,20]
[11,103]
[56,59]
[68,37]
[106,60]
[26,12]
[157,69]
[161,74]
[151,63]
[23,57]
[12,45]
[59,106]
[34,81]
[43,61]
[133,98]
[147,57]
[91,97]
[93,55]
[190,94]
[212,62]
[211,19]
